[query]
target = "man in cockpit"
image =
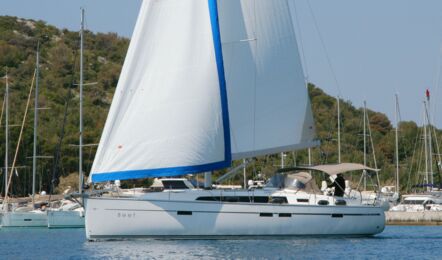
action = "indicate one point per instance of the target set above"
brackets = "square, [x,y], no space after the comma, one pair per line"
[339,185]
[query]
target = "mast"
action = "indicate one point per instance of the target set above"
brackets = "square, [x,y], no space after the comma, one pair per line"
[425,144]
[6,132]
[430,141]
[34,157]
[245,173]
[339,130]
[397,142]
[80,164]
[365,144]
[282,160]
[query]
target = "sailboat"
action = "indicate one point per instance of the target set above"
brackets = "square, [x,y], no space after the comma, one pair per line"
[70,214]
[430,198]
[205,83]
[24,216]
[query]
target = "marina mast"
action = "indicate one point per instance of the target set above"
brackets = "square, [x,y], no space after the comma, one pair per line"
[397,142]
[6,132]
[34,156]
[80,164]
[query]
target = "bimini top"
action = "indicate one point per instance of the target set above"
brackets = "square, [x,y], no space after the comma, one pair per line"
[333,169]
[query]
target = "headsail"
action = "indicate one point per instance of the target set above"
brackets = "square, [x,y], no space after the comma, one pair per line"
[167,116]
[193,68]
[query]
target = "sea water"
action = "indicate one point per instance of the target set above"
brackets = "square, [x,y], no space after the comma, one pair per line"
[396,242]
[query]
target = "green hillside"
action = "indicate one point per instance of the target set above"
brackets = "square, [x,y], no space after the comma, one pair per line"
[104,56]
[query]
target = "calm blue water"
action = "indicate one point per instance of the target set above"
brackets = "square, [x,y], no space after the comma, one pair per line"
[402,242]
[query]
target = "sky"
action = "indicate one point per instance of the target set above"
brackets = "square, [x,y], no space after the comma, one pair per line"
[359,50]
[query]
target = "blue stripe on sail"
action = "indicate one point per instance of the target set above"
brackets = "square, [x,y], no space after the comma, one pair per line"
[151,173]
[213,9]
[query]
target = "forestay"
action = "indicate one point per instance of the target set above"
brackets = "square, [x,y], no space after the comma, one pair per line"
[205,81]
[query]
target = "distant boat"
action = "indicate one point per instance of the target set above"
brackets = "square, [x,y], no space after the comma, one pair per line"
[429,197]
[205,83]
[419,202]
[25,216]
[69,214]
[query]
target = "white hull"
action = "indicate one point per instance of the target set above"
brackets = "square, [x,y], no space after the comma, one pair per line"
[24,219]
[66,219]
[132,217]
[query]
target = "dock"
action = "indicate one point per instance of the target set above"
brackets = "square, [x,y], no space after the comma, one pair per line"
[423,218]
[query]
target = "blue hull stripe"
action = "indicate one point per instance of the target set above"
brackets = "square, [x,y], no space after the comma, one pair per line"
[177,171]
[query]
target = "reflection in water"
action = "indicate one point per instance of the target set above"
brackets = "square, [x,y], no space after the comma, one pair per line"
[397,242]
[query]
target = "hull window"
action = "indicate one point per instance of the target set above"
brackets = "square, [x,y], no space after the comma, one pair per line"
[186,213]
[174,185]
[337,215]
[285,215]
[340,203]
[323,202]
[266,214]
[247,199]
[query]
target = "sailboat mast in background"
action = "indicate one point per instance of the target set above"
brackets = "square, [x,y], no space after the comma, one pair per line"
[397,141]
[80,154]
[34,154]
[6,132]
[365,144]
[339,129]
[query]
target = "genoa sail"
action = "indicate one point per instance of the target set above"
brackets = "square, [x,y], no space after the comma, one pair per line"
[205,82]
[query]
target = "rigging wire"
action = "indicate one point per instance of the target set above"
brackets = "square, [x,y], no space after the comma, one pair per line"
[8,184]
[324,48]
[372,148]
[340,126]
[437,82]
[3,108]
[413,156]
[1,118]
[301,43]
[57,151]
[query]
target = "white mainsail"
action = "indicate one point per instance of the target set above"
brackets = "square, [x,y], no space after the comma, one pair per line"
[205,81]
[269,107]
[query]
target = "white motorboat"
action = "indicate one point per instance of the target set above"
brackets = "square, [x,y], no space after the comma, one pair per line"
[419,202]
[205,83]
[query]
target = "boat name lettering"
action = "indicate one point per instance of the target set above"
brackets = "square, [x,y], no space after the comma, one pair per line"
[126,214]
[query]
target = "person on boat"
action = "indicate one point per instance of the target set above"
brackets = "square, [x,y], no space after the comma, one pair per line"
[339,185]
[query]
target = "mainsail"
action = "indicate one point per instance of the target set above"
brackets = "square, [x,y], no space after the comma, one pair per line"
[268,101]
[205,82]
